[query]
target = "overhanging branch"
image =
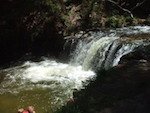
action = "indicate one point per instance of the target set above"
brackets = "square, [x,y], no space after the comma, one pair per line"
[138,4]
[123,9]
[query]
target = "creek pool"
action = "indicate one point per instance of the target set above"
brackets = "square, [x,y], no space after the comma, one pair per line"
[46,85]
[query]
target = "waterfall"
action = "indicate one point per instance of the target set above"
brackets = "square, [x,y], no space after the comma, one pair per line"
[95,51]
[105,49]
[96,55]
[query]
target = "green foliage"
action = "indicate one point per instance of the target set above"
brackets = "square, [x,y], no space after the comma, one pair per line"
[119,21]
[54,5]
[112,21]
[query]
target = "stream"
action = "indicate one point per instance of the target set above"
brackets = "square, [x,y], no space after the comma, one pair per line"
[48,84]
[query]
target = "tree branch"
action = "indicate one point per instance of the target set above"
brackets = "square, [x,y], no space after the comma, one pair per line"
[138,4]
[125,10]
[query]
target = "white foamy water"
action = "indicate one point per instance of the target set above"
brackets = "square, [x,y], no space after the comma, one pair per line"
[46,73]
[101,46]
[64,74]
[58,79]
[130,30]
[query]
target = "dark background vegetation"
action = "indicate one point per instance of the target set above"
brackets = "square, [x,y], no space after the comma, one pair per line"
[37,27]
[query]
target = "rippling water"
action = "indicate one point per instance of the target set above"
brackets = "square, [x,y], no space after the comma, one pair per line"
[45,85]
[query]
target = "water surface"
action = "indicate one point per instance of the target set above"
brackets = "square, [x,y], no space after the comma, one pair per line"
[46,85]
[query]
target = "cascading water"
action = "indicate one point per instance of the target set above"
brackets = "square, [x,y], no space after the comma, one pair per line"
[105,49]
[48,84]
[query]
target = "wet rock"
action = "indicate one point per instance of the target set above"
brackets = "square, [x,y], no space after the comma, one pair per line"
[141,55]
